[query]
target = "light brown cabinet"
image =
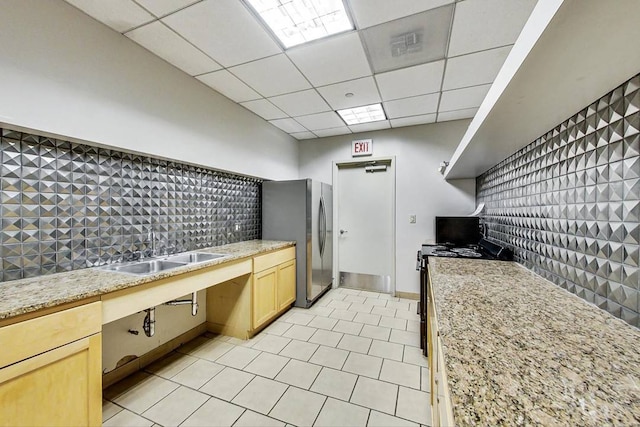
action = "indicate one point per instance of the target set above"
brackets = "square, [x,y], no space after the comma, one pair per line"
[286,284]
[274,285]
[51,375]
[265,303]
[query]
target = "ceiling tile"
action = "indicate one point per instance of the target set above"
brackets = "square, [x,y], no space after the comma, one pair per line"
[301,103]
[229,85]
[417,80]
[416,39]
[331,60]
[459,99]
[121,15]
[162,41]
[343,130]
[364,92]
[366,127]
[288,125]
[318,121]
[224,30]
[264,109]
[303,135]
[414,120]
[485,24]
[372,12]
[272,76]
[474,69]
[164,7]
[414,106]
[467,113]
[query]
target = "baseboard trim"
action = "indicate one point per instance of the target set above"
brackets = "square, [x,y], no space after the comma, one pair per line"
[408,295]
[146,359]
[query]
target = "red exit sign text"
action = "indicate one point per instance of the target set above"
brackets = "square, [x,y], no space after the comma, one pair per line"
[362,147]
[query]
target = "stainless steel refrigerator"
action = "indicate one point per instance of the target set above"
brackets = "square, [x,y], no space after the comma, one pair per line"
[301,210]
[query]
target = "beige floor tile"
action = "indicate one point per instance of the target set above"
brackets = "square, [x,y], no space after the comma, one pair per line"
[342,305]
[267,365]
[214,413]
[376,332]
[238,357]
[388,297]
[145,391]
[276,328]
[328,338]
[362,364]
[353,343]
[342,314]
[260,395]
[348,327]
[335,295]
[298,407]
[378,419]
[398,305]
[407,314]
[322,322]
[401,373]
[383,311]
[331,357]
[298,373]
[127,419]
[393,323]
[336,413]
[271,343]
[198,373]
[414,405]
[413,326]
[109,409]
[193,345]
[367,318]
[404,337]
[348,291]
[299,350]
[253,419]
[425,379]
[299,319]
[212,350]
[354,298]
[386,350]
[227,384]
[375,394]
[318,310]
[414,356]
[170,365]
[376,302]
[299,332]
[331,382]
[176,407]
[361,308]
[370,294]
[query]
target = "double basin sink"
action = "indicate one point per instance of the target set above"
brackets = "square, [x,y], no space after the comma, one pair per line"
[151,266]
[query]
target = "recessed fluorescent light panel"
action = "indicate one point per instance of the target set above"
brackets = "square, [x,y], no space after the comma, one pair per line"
[366,114]
[299,21]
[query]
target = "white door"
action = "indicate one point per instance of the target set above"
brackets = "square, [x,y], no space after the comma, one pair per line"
[365,225]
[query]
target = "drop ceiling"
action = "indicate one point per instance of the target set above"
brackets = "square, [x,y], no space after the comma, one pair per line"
[461,47]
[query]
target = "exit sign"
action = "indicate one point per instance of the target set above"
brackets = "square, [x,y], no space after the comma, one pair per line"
[362,147]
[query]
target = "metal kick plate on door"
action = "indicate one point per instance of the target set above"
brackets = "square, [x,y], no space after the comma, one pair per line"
[369,282]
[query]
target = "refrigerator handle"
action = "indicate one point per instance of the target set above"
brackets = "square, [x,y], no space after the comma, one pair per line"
[321,225]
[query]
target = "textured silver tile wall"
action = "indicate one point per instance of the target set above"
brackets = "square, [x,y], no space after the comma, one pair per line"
[67,206]
[568,204]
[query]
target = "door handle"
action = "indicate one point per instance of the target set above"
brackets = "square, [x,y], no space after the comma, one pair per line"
[343,231]
[320,227]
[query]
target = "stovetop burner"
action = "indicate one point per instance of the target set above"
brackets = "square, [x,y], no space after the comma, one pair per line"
[483,250]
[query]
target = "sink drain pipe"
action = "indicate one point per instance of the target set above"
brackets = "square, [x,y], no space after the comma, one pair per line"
[149,324]
[193,302]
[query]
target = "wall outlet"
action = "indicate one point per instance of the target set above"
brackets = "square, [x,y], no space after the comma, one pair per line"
[236,226]
[412,219]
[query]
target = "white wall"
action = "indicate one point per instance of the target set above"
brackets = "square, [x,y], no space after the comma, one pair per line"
[65,74]
[420,189]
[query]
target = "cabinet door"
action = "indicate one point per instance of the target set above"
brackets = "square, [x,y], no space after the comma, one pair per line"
[61,387]
[264,296]
[286,284]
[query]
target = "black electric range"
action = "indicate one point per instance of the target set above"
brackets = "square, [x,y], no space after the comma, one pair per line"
[484,249]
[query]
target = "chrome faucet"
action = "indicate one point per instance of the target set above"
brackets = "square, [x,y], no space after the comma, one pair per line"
[152,240]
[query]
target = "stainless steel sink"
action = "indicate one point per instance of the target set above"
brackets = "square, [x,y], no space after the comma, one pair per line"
[151,266]
[194,257]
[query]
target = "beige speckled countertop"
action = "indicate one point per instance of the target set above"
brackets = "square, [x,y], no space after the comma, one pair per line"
[28,295]
[521,351]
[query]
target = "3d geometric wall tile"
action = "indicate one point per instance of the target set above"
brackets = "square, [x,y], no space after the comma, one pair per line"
[568,204]
[66,206]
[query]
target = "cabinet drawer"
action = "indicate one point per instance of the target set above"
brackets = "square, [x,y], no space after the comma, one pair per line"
[272,259]
[44,333]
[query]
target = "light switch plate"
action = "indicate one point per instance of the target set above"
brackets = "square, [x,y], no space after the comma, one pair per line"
[412,219]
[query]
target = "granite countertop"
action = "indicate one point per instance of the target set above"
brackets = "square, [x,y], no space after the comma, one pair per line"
[520,350]
[28,295]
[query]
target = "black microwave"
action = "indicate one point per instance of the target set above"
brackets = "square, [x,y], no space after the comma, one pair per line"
[458,230]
